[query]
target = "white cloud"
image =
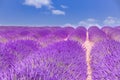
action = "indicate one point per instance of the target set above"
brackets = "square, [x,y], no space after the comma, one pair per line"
[89,22]
[111,21]
[47,3]
[39,3]
[58,12]
[63,6]
[68,24]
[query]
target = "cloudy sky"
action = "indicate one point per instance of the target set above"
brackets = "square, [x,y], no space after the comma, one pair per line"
[60,12]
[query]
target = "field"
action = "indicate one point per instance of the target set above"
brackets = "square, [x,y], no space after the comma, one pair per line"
[57,53]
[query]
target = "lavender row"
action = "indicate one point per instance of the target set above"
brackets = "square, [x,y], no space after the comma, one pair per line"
[27,60]
[105,60]
[54,34]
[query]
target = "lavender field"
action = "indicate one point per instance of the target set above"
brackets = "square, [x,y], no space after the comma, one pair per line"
[56,53]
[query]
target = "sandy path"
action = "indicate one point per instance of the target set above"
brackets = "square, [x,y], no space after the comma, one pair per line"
[88,46]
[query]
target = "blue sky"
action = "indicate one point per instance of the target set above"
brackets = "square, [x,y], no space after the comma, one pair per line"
[60,12]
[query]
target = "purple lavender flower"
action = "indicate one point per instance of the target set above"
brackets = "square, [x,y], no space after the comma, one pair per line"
[61,61]
[14,51]
[105,60]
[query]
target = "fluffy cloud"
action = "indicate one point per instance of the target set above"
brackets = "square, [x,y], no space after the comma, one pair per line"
[38,3]
[111,21]
[63,6]
[68,24]
[58,12]
[89,22]
[47,3]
